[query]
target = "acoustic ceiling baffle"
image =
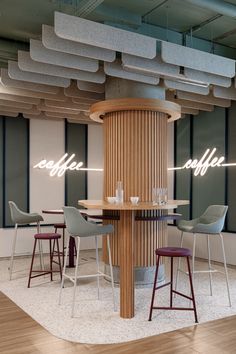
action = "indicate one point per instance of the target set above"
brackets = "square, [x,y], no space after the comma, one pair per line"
[15,98]
[27,64]
[19,84]
[91,87]
[41,54]
[226,93]
[96,34]
[51,41]
[186,86]
[115,69]
[15,73]
[210,99]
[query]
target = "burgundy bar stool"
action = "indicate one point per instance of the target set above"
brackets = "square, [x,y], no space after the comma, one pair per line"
[50,237]
[173,252]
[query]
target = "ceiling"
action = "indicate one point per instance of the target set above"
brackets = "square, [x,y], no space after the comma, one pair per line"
[22,20]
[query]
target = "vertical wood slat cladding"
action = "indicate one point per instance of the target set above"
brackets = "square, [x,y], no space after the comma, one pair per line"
[135,150]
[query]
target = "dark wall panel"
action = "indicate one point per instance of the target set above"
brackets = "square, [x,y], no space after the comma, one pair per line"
[182,154]
[16,165]
[76,182]
[208,132]
[231,171]
[1,170]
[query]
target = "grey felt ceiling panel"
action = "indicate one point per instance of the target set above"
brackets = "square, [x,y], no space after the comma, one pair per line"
[19,84]
[27,64]
[74,91]
[15,73]
[41,54]
[153,66]
[97,34]
[195,59]
[206,77]
[91,87]
[227,93]
[51,41]
[115,69]
[185,110]
[209,99]
[186,87]
[190,104]
[45,108]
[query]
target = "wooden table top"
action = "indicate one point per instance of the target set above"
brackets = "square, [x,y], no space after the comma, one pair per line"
[101,204]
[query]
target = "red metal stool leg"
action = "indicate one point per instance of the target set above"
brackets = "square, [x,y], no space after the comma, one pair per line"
[154,288]
[171,282]
[192,291]
[32,262]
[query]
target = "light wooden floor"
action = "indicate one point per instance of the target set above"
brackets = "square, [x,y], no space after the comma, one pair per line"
[20,334]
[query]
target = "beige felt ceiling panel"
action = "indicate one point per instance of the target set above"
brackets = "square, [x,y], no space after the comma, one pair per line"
[91,87]
[209,99]
[115,69]
[195,59]
[84,101]
[15,98]
[19,84]
[74,91]
[41,116]
[180,85]
[27,64]
[28,93]
[8,113]
[186,110]
[41,54]
[15,73]
[69,104]
[44,108]
[51,41]
[226,93]
[34,110]
[15,104]
[196,75]
[154,66]
[97,34]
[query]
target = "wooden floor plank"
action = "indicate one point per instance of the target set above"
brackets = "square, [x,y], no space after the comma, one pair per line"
[20,334]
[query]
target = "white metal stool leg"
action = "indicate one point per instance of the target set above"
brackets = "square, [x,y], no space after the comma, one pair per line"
[179,262]
[209,263]
[13,252]
[226,270]
[75,279]
[64,269]
[97,261]
[111,272]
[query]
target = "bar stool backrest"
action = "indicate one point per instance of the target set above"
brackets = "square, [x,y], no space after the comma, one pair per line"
[77,226]
[18,216]
[214,218]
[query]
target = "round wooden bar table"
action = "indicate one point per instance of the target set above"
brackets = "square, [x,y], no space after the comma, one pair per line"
[126,235]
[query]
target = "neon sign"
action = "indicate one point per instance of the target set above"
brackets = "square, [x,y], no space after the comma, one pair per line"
[62,165]
[206,161]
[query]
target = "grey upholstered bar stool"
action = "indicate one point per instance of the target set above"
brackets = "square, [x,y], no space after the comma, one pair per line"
[78,227]
[211,222]
[19,217]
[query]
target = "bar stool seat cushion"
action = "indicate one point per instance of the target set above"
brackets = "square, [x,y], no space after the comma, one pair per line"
[173,252]
[47,236]
[60,225]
